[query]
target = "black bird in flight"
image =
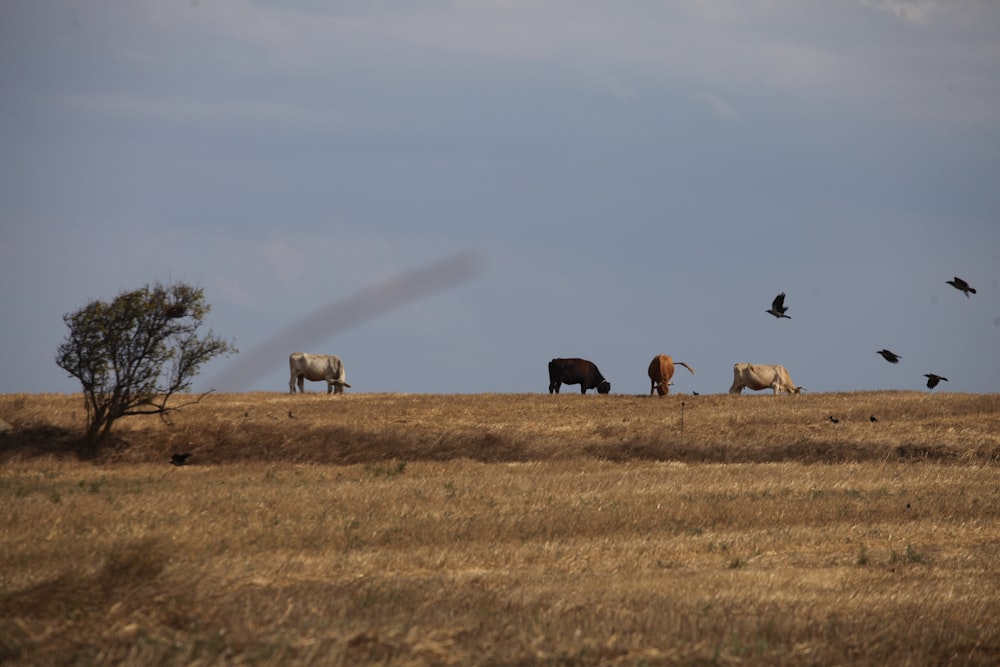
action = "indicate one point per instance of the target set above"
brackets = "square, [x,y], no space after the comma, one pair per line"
[873,419]
[778,307]
[180,459]
[834,419]
[890,356]
[961,286]
[933,379]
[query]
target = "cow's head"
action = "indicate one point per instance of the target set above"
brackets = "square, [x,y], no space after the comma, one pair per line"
[663,388]
[604,387]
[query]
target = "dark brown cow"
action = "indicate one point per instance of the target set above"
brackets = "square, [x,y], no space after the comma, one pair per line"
[661,369]
[576,371]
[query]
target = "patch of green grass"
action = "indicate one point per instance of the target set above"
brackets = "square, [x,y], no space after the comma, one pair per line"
[386,470]
[863,558]
[910,556]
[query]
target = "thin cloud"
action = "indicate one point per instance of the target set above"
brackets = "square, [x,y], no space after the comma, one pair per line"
[920,12]
[286,262]
[233,290]
[718,108]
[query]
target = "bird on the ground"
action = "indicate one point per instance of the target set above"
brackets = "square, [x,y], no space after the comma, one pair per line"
[834,419]
[290,415]
[889,356]
[961,286]
[873,419]
[694,393]
[778,307]
[180,459]
[933,379]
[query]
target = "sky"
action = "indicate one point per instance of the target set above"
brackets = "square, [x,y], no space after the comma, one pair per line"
[616,179]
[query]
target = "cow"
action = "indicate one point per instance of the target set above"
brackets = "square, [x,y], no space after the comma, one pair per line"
[315,368]
[661,369]
[576,371]
[762,376]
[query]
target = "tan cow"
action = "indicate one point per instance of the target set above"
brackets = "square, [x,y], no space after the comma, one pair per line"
[661,369]
[762,376]
[317,367]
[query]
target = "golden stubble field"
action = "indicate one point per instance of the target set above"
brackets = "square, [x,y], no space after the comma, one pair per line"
[506,529]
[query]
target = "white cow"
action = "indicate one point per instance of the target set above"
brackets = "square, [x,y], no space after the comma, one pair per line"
[762,376]
[317,367]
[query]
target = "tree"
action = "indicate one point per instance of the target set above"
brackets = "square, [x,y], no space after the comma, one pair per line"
[133,354]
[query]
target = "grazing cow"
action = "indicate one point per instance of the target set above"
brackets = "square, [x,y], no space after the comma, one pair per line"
[661,369]
[762,376]
[576,371]
[315,368]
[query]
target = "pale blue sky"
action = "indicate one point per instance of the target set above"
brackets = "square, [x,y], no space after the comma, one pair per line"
[636,177]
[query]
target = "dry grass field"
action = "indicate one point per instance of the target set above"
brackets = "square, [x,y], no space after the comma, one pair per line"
[506,529]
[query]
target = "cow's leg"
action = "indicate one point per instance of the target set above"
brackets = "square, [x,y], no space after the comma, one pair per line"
[329,386]
[302,388]
[291,385]
[553,387]
[583,388]
[338,388]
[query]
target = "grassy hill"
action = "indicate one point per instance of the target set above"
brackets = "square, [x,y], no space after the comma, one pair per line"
[505,529]
[366,428]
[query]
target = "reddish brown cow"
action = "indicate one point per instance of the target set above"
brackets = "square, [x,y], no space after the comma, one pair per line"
[661,369]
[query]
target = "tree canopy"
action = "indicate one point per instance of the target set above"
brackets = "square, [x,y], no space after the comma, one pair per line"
[133,354]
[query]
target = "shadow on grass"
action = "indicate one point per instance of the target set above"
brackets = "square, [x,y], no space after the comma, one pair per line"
[77,596]
[46,440]
[351,446]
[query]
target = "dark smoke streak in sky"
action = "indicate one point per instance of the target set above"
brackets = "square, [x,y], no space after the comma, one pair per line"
[366,304]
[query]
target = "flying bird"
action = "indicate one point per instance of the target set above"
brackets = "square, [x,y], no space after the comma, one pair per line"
[778,307]
[180,459]
[933,379]
[961,286]
[890,356]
